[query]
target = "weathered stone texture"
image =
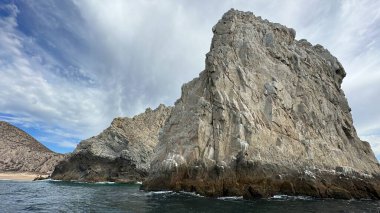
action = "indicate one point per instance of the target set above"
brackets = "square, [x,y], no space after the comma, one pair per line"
[20,152]
[266,116]
[121,153]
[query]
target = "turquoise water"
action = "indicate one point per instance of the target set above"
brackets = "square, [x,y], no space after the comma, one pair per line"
[53,196]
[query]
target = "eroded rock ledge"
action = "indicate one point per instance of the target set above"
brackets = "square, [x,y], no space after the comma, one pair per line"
[121,153]
[267,116]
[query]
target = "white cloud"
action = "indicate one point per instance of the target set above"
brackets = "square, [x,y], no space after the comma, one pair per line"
[68,144]
[85,62]
[31,92]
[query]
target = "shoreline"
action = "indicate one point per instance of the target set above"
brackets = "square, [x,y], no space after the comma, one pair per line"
[20,176]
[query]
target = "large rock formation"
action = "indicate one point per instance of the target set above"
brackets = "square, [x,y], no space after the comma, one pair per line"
[266,116]
[121,153]
[20,152]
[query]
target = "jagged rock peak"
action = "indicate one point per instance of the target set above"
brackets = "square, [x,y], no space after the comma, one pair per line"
[266,116]
[228,23]
[121,153]
[20,152]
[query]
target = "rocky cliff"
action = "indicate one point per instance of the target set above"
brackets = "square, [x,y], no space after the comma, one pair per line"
[267,116]
[20,152]
[121,153]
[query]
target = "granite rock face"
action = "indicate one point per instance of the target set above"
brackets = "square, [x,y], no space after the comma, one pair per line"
[267,116]
[20,152]
[121,153]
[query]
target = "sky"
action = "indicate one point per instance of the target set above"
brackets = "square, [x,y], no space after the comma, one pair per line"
[67,68]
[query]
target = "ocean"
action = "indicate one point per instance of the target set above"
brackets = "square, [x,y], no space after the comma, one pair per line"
[57,196]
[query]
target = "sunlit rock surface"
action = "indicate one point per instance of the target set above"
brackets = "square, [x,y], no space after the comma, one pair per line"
[267,116]
[121,153]
[20,152]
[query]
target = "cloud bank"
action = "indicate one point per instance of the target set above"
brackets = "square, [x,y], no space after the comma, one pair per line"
[69,67]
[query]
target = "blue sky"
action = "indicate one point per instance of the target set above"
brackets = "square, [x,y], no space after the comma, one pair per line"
[69,67]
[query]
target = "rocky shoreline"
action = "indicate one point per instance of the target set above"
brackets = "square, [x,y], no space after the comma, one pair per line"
[264,181]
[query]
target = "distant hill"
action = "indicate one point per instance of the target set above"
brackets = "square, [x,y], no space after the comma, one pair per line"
[20,152]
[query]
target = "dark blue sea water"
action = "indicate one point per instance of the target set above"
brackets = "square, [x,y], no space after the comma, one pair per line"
[53,196]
